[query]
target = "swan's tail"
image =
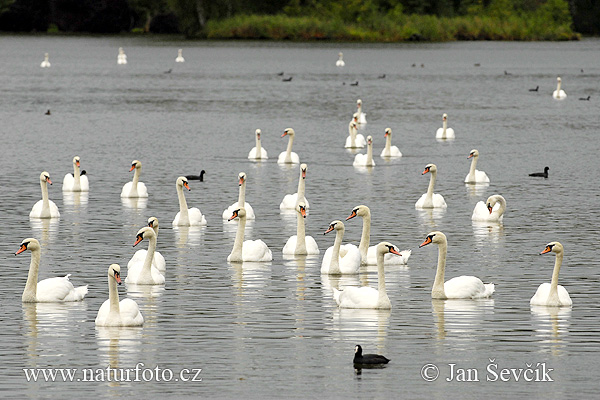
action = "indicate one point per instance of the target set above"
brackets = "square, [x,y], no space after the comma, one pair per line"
[405,254]
[489,290]
[336,295]
[80,292]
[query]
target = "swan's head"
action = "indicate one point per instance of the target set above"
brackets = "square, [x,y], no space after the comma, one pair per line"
[335,225]
[558,79]
[183,182]
[288,132]
[241,178]
[474,153]
[359,211]
[369,140]
[120,50]
[239,213]
[153,222]
[352,123]
[554,247]
[180,51]
[30,244]
[358,103]
[114,271]
[301,208]
[444,117]
[388,132]
[135,164]
[355,118]
[436,237]
[46,55]
[258,132]
[340,54]
[492,200]
[430,168]
[387,247]
[144,233]
[45,177]
[303,168]
[76,160]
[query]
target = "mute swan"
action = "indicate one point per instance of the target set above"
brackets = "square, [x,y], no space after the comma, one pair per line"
[541,174]
[46,62]
[354,140]
[340,62]
[338,259]
[365,160]
[44,208]
[360,358]
[365,296]
[559,94]
[461,287]
[430,199]
[474,175]
[241,200]
[300,244]
[361,117]
[487,211]
[121,57]
[158,261]
[75,182]
[552,294]
[444,132]
[179,57]
[114,312]
[368,255]
[135,188]
[144,273]
[258,152]
[288,156]
[49,290]
[290,201]
[389,150]
[249,250]
[185,216]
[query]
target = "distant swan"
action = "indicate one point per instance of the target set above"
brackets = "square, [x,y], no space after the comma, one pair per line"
[340,62]
[354,140]
[430,199]
[365,160]
[75,182]
[241,200]
[258,153]
[541,174]
[552,294]
[114,312]
[338,259]
[44,208]
[288,156]
[49,290]
[179,57]
[158,261]
[145,273]
[186,216]
[389,150]
[249,250]
[121,57]
[487,211]
[474,175]
[461,287]
[360,116]
[559,94]
[300,244]
[444,132]
[290,201]
[46,62]
[135,188]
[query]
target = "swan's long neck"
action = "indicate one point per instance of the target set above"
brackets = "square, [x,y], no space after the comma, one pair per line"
[553,295]
[113,298]
[288,152]
[370,153]
[502,208]
[301,184]
[147,267]
[334,266]
[381,277]
[444,127]
[429,198]
[236,253]
[352,132]
[136,179]
[77,178]
[242,194]
[45,200]
[388,144]
[359,110]
[183,209]
[29,294]
[558,86]
[258,148]
[300,235]
[437,291]
[473,165]
[365,239]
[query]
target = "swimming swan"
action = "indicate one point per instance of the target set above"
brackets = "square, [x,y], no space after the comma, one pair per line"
[444,132]
[340,62]
[145,273]
[361,117]
[559,94]
[300,244]
[389,150]
[552,294]
[365,160]
[75,182]
[258,153]
[288,156]
[338,259]
[430,199]
[354,140]
[158,261]
[474,175]
[114,312]
[241,200]
[46,62]
[290,201]
[44,208]
[135,188]
[186,216]
[488,211]
[249,250]
[179,57]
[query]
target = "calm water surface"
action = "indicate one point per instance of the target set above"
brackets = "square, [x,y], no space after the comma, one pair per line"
[271,330]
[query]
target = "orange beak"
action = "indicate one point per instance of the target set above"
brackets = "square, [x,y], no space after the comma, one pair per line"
[138,240]
[185,185]
[426,242]
[328,230]
[386,134]
[394,251]
[21,249]
[426,171]
[303,211]
[118,278]
[303,174]
[489,208]
[241,182]
[470,155]
[150,224]
[546,250]
[235,214]
[284,133]
[132,167]
[352,215]
[77,163]
[49,181]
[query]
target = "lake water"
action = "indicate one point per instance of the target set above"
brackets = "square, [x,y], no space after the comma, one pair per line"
[272,330]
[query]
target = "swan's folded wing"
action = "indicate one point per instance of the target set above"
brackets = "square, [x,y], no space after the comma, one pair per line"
[59,289]
[362,297]
[130,313]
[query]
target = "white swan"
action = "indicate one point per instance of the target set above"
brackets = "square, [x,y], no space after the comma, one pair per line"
[258,152]
[158,261]
[288,156]
[559,94]
[186,216]
[338,259]
[365,160]
[46,62]
[368,254]
[75,182]
[430,199]
[300,244]
[354,140]
[114,312]
[361,117]
[365,296]
[389,150]
[249,250]
[290,201]
[492,210]
[474,175]
[121,57]
[241,200]
[44,208]
[144,273]
[49,290]
[340,62]
[179,57]
[135,188]
[444,132]
[552,294]
[461,287]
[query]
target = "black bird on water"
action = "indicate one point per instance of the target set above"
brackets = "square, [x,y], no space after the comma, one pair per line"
[287,79]
[48,113]
[168,71]
[196,177]
[585,98]
[382,76]
[280,73]
[535,90]
[354,84]
[541,174]
[370,359]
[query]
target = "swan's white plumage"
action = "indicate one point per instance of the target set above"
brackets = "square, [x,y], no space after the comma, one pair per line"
[559,94]
[158,261]
[340,62]
[388,259]
[552,294]
[540,298]
[242,178]
[254,154]
[354,140]
[361,117]
[46,62]
[186,216]
[121,57]
[44,208]
[389,150]
[290,201]
[348,255]
[135,188]
[179,57]
[288,156]
[114,312]
[249,250]
[444,132]
[365,160]
[307,244]
[474,175]
[481,212]
[430,199]
[144,273]
[70,180]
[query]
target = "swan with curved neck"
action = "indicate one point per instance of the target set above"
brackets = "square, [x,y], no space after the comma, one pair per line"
[552,294]
[51,290]
[241,200]
[121,57]
[559,94]
[179,57]
[115,313]
[135,188]
[389,150]
[444,132]
[368,297]
[430,199]
[288,156]
[354,140]
[158,261]
[44,208]
[300,244]
[186,217]
[76,182]
[290,201]
[368,254]
[258,153]
[474,175]
[488,212]
[461,287]
[338,259]
[145,274]
[365,160]
[46,62]
[340,62]
[360,115]
[249,250]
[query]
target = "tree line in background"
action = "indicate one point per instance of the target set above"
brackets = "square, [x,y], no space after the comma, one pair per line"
[377,20]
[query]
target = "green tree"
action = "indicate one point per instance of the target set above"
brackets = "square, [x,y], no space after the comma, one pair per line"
[148,9]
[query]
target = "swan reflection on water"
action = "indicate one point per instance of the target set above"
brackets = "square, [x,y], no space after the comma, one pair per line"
[428,216]
[551,324]
[361,325]
[46,229]
[488,231]
[135,203]
[75,199]
[456,319]
[188,235]
[118,347]
[476,190]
